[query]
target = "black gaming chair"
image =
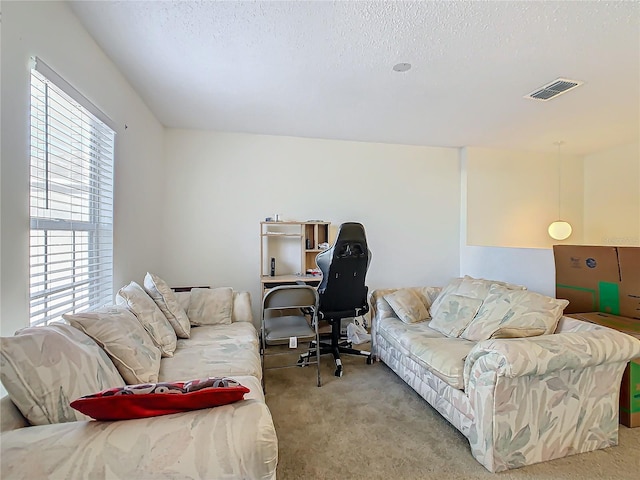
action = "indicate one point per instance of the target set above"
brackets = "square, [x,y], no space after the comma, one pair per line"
[342,291]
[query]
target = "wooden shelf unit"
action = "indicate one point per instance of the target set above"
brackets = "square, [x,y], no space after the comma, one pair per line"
[287,242]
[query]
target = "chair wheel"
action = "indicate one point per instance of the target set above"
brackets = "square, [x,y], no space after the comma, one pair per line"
[338,372]
[369,360]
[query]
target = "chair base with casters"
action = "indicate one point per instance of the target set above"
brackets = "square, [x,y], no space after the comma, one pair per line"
[335,345]
[280,327]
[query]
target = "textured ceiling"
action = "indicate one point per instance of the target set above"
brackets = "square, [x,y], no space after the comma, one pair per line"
[324,69]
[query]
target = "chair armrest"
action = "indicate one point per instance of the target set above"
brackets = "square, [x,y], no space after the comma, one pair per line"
[232,441]
[542,355]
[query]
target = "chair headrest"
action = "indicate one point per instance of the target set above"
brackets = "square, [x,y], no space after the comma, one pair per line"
[349,249]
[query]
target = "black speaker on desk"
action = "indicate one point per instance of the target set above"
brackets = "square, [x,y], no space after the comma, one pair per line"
[273,267]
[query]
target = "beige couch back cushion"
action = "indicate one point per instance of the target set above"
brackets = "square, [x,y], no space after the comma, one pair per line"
[46,368]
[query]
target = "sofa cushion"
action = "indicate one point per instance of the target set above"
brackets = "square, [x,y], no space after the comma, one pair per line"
[149,315]
[444,357]
[468,287]
[44,368]
[253,384]
[225,355]
[210,306]
[125,340]
[403,334]
[408,305]
[240,332]
[168,303]
[454,314]
[381,308]
[479,287]
[184,298]
[154,399]
[236,441]
[449,288]
[429,348]
[240,312]
[508,313]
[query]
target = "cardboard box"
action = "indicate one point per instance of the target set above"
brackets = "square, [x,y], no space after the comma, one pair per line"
[630,386]
[599,279]
[630,395]
[629,260]
[605,282]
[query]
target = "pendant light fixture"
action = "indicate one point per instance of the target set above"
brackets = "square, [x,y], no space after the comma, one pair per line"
[559,230]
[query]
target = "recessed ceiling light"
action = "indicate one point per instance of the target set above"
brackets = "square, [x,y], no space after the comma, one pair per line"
[401,67]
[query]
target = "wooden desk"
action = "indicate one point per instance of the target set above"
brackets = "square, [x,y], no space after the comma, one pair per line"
[270,282]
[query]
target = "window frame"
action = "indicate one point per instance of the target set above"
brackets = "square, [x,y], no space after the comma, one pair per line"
[72,160]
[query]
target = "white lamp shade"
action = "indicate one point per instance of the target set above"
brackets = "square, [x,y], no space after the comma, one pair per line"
[559,230]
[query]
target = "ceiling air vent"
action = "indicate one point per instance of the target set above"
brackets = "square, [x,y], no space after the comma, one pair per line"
[553,89]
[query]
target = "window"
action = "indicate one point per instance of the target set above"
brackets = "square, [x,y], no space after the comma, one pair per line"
[71,200]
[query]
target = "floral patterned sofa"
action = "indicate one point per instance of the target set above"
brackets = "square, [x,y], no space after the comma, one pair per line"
[522,382]
[198,334]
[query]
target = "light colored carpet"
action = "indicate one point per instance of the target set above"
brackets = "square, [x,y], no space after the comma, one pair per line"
[370,424]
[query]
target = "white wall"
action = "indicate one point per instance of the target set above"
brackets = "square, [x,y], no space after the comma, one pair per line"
[220,186]
[507,197]
[612,196]
[50,31]
[513,197]
[531,267]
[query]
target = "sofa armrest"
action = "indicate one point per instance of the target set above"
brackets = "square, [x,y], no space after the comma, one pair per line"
[379,306]
[232,441]
[545,354]
[381,309]
[535,399]
[242,307]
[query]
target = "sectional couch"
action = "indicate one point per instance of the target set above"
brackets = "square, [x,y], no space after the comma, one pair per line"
[191,335]
[523,383]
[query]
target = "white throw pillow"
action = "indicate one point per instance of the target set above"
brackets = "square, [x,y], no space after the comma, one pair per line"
[150,316]
[46,368]
[479,287]
[468,287]
[448,289]
[408,306]
[241,310]
[168,303]
[210,306]
[454,314]
[508,313]
[120,334]
[184,298]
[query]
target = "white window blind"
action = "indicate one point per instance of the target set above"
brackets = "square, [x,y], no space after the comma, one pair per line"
[71,201]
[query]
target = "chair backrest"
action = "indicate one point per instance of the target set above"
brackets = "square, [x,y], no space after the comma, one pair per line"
[290,296]
[344,266]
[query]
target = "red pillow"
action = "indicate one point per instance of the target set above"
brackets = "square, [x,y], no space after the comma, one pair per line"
[152,399]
